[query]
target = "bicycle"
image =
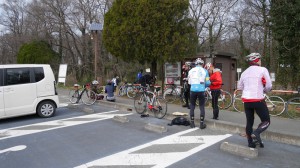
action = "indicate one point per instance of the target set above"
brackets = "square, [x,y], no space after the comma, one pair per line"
[132,90]
[147,99]
[293,107]
[172,93]
[275,104]
[123,89]
[86,95]
[224,100]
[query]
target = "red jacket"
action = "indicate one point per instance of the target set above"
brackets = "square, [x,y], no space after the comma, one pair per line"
[216,80]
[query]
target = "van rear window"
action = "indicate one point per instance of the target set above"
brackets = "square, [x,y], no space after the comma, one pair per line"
[39,74]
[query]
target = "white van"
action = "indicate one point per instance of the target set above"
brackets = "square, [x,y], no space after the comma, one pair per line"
[27,89]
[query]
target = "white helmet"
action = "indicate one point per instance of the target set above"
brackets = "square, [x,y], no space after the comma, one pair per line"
[199,61]
[253,56]
[94,82]
[207,65]
[188,63]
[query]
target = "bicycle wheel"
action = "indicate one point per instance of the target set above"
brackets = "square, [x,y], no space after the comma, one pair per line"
[73,96]
[224,100]
[293,107]
[276,105]
[171,95]
[121,91]
[238,104]
[140,103]
[160,108]
[131,92]
[88,97]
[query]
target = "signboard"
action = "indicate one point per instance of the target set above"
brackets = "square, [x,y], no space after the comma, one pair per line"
[272,77]
[62,73]
[172,70]
[239,70]
[172,73]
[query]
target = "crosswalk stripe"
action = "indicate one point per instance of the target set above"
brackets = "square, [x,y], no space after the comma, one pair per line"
[50,125]
[138,156]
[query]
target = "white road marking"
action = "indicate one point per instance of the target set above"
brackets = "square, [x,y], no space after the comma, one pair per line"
[51,125]
[129,158]
[14,149]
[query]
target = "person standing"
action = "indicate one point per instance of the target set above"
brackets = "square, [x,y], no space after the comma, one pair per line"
[139,76]
[186,86]
[115,82]
[215,87]
[251,83]
[198,78]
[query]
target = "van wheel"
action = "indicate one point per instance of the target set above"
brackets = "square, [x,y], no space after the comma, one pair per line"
[46,109]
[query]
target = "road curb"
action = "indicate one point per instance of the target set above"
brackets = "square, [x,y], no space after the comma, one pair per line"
[239,150]
[121,119]
[116,105]
[155,128]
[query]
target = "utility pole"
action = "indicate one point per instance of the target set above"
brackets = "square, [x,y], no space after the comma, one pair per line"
[95,28]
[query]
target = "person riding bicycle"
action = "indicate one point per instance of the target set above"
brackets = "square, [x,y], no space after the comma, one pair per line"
[215,87]
[186,87]
[198,78]
[251,83]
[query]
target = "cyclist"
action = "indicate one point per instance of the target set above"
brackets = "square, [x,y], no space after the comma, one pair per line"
[186,86]
[198,78]
[215,87]
[139,75]
[252,86]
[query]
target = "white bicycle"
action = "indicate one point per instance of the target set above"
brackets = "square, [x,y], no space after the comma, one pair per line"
[275,104]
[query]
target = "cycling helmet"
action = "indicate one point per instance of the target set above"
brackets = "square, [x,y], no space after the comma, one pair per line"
[188,63]
[253,57]
[199,61]
[207,66]
[94,82]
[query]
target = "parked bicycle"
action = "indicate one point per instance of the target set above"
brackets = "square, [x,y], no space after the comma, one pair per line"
[224,100]
[293,107]
[275,104]
[132,90]
[86,95]
[149,100]
[123,89]
[173,93]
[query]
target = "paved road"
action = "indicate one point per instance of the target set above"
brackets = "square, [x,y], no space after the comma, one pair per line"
[79,139]
[75,138]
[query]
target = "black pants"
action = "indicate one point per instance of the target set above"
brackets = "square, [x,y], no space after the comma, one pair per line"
[263,113]
[215,95]
[186,93]
[193,97]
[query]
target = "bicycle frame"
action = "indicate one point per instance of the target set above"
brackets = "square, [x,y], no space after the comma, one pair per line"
[80,93]
[149,100]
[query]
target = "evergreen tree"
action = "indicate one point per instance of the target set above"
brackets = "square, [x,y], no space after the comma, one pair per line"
[285,17]
[37,52]
[149,31]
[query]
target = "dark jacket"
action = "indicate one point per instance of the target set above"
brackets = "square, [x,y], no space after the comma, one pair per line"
[109,89]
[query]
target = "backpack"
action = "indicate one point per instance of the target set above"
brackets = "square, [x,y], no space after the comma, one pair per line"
[180,121]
